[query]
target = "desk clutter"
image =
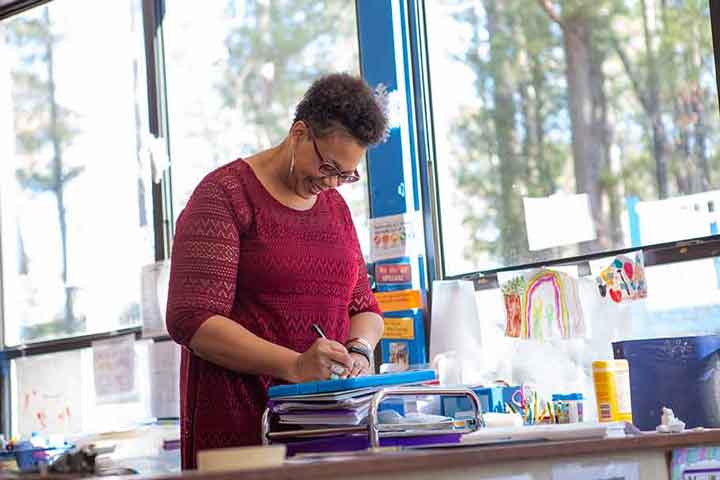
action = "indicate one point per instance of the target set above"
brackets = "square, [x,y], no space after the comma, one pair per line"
[358,413]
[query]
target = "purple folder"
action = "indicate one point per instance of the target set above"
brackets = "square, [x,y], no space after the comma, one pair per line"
[346,443]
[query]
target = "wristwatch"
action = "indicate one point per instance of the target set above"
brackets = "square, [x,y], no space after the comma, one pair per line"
[362,347]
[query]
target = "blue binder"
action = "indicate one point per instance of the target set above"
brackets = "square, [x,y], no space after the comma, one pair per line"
[327,386]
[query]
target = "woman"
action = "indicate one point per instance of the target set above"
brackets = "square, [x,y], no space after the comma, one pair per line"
[264,249]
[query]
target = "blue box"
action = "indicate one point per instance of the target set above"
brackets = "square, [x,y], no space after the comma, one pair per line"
[492,399]
[409,351]
[679,373]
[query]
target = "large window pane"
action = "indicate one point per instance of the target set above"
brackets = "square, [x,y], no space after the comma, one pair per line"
[235,71]
[537,102]
[76,225]
[62,399]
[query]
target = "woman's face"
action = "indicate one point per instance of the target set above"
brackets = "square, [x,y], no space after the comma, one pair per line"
[322,163]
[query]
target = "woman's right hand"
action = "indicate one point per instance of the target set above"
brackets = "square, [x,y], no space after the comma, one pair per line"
[318,360]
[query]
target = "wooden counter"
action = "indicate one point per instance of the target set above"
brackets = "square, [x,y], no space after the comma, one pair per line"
[535,460]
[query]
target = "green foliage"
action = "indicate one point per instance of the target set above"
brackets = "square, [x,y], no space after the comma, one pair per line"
[517,142]
[44,131]
[277,49]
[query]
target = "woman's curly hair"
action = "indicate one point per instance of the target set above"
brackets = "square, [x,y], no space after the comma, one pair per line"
[342,103]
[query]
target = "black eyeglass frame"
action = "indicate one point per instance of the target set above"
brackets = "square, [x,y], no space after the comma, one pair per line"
[328,169]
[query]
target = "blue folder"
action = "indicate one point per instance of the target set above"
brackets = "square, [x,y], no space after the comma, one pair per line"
[326,386]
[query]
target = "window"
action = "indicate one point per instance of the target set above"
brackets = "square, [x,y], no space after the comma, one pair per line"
[569,130]
[76,213]
[235,72]
[63,400]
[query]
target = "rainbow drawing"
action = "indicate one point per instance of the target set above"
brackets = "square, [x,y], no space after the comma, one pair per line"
[563,310]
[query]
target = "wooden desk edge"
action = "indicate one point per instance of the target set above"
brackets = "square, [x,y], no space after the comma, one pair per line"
[462,457]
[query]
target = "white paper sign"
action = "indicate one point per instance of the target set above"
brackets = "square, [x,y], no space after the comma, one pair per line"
[114,369]
[155,278]
[49,390]
[610,471]
[165,379]
[558,220]
[393,236]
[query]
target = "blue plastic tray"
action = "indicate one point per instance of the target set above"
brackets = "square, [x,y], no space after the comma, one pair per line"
[327,386]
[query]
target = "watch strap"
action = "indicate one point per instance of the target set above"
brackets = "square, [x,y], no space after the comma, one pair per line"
[361,351]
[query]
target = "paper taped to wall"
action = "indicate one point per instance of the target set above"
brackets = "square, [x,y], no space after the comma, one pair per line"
[558,220]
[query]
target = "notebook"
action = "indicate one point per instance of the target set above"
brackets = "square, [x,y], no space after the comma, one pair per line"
[292,406]
[325,417]
[369,381]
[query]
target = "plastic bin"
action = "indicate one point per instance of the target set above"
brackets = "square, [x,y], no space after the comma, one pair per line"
[492,399]
[680,373]
[29,458]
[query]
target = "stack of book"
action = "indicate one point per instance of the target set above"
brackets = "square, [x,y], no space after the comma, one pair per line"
[324,409]
[332,416]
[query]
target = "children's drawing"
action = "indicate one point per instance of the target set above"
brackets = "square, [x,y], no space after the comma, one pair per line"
[512,292]
[623,279]
[548,304]
[50,399]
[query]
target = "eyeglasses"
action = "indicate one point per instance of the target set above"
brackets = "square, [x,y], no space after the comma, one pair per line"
[330,170]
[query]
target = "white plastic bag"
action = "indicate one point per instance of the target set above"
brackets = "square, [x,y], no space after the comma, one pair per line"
[455,322]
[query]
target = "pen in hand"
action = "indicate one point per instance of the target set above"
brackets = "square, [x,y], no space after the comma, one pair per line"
[319,331]
[336,370]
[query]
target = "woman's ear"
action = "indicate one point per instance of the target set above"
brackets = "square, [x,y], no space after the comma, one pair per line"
[299,130]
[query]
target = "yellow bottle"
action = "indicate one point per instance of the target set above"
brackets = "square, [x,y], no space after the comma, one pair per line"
[612,390]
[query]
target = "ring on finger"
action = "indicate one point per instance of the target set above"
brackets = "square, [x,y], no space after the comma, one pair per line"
[337,369]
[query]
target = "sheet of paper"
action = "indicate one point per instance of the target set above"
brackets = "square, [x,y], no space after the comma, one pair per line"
[393,236]
[155,278]
[542,304]
[165,379]
[114,370]
[284,407]
[558,220]
[49,393]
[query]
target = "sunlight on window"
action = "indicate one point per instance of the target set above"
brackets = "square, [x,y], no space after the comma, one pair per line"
[235,72]
[629,120]
[76,212]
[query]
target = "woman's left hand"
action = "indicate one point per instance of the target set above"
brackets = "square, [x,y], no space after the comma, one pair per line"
[360,365]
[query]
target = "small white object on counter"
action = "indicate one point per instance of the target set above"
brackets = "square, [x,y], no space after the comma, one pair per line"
[669,423]
[495,420]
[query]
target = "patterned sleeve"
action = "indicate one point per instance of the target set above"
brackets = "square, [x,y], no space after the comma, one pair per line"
[203,266]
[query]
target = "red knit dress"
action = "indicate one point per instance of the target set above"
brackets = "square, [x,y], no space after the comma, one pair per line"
[240,253]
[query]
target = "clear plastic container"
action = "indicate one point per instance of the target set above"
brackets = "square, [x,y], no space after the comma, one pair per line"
[568,408]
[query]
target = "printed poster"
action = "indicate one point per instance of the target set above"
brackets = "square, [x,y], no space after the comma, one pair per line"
[165,379]
[393,274]
[114,369]
[393,236]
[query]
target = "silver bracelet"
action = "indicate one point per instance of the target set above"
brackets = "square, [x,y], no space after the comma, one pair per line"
[362,341]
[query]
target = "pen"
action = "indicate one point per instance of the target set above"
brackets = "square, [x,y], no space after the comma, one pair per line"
[318,330]
[335,370]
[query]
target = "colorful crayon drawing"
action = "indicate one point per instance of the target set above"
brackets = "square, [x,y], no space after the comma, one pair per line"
[623,279]
[512,293]
[549,306]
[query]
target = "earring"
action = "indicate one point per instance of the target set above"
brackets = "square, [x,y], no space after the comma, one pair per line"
[292,162]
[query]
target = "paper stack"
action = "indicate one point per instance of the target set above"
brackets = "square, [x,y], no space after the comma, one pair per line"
[332,416]
[324,409]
